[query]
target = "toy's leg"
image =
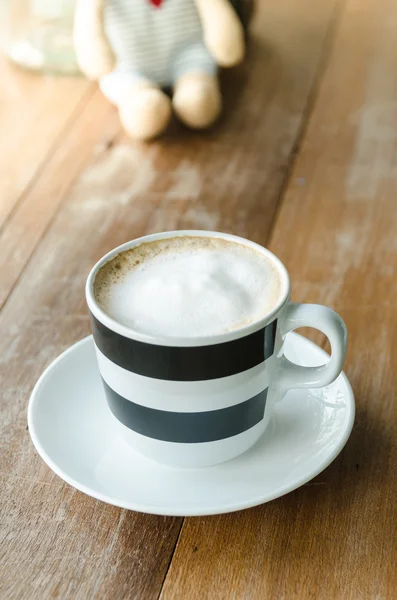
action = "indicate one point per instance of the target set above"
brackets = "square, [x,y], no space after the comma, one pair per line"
[144,109]
[197,99]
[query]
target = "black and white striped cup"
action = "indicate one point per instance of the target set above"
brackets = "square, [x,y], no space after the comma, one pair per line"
[195,402]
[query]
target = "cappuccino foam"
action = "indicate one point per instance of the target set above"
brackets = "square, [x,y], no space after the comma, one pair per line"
[188,286]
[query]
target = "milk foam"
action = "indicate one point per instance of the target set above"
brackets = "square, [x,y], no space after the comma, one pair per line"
[188,286]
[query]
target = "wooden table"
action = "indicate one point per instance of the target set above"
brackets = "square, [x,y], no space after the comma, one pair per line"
[304,162]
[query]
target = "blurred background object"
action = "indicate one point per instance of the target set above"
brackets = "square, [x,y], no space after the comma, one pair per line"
[37,34]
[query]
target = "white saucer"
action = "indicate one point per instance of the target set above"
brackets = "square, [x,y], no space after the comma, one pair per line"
[76,435]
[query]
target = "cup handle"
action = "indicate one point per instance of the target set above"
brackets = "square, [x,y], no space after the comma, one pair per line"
[331,324]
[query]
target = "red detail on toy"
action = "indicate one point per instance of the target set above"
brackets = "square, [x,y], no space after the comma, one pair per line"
[156,3]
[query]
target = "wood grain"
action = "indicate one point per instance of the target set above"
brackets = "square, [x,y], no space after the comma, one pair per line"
[34,112]
[94,128]
[56,542]
[336,232]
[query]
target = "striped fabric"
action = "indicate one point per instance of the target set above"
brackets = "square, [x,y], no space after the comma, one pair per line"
[159,41]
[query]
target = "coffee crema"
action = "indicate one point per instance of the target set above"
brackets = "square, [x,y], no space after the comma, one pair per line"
[188,286]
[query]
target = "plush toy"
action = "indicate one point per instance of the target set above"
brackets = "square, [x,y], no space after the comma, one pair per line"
[137,48]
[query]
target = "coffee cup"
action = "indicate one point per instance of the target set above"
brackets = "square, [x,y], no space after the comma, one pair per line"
[189,330]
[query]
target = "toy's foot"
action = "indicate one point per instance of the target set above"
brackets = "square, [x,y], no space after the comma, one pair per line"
[145,112]
[197,99]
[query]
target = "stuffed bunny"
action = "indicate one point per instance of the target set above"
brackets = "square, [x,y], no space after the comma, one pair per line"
[136,48]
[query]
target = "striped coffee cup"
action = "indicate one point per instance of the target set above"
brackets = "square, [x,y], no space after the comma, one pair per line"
[194,402]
